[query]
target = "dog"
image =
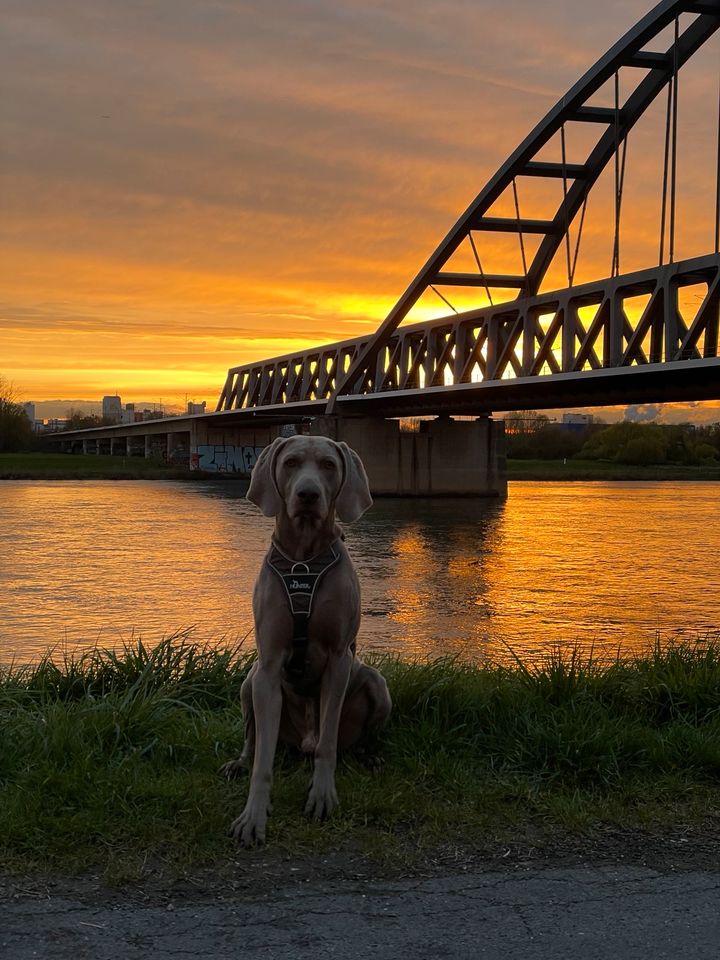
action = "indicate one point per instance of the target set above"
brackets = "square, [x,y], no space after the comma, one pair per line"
[307,687]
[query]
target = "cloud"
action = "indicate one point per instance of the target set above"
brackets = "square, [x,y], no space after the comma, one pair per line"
[642,412]
[186,185]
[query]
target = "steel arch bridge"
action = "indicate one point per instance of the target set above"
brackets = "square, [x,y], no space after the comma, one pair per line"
[526,347]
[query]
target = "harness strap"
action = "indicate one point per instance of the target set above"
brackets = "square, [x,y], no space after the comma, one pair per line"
[300,579]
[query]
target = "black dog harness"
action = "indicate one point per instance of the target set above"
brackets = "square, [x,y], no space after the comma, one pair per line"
[301,579]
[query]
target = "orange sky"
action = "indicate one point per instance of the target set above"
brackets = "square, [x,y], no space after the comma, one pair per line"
[187,187]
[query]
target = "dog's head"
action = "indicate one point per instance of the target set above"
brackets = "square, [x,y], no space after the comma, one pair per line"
[310,477]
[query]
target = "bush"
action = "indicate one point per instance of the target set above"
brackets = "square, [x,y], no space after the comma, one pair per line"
[641,450]
[626,442]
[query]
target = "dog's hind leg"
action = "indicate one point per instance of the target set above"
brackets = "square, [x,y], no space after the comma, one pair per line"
[243,764]
[366,710]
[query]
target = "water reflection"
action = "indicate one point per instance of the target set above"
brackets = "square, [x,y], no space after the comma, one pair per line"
[603,564]
[429,579]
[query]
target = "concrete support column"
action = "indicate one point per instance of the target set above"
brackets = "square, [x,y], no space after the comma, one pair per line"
[148,447]
[135,445]
[178,447]
[444,457]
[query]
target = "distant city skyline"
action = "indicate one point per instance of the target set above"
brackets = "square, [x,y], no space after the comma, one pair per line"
[640,413]
[61,408]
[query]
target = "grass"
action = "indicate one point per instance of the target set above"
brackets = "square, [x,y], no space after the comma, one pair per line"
[65,466]
[602,470]
[109,759]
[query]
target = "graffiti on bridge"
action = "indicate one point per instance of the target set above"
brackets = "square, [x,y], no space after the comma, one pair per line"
[224,458]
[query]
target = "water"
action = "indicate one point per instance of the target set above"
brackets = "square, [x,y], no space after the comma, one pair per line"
[602,565]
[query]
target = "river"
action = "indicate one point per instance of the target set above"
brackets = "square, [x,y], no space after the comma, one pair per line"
[600,565]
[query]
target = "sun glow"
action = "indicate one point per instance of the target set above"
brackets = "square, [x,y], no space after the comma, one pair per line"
[176,204]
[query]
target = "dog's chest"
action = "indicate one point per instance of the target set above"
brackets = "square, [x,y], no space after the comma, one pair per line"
[301,579]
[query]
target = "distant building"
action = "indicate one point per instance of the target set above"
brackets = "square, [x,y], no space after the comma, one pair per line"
[128,414]
[576,422]
[584,418]
[29,411]
[56,423]
[196,407]
[112,409]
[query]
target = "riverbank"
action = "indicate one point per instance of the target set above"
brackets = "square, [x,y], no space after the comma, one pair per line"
[109,761]
[63,466]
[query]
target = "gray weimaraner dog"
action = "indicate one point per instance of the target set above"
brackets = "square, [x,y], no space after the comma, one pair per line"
[306,687]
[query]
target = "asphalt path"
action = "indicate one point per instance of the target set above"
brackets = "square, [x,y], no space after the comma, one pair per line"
[584,911]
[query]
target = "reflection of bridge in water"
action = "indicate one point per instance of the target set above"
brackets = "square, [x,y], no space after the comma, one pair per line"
[501,341]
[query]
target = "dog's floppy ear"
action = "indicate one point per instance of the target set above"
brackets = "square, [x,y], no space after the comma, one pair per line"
[354,497]
[263,491]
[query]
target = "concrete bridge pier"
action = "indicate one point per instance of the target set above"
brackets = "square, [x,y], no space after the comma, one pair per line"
[155,446]
[176,444]
[217,449]
[135,445]
[433,458]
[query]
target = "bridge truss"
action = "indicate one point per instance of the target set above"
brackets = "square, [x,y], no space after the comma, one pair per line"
[489,358]
[495,356]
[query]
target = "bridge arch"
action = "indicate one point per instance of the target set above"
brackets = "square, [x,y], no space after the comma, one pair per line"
[655,70]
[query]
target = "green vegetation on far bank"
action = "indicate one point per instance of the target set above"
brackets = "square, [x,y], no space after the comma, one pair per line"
[110,760]
[531,436]
[539,449]
[65,466]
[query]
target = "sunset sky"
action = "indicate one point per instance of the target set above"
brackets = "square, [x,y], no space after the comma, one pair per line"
[187,186]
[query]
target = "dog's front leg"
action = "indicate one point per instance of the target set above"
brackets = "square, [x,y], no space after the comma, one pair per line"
[322,798]
[249,828]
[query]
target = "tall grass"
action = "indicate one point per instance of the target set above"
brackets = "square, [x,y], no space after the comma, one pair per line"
[111,757]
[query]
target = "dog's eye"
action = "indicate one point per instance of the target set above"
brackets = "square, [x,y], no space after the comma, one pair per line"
[291,462]
[328,464]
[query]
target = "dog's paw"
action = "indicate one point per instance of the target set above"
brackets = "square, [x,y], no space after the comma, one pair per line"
[322,800]
[234,768]
[370,759]
[249,828]
[373,762]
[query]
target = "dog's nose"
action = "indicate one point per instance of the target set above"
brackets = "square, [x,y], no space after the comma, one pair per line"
[308,495]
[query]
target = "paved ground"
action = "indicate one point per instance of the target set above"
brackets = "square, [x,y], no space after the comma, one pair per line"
[618,912]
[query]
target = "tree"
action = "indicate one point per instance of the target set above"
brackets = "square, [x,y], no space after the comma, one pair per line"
[641,450]
[647,443]
[524,421]
[16,431]
[77,420]
[629,442]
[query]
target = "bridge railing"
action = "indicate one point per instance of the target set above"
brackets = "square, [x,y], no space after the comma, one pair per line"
[623,321]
